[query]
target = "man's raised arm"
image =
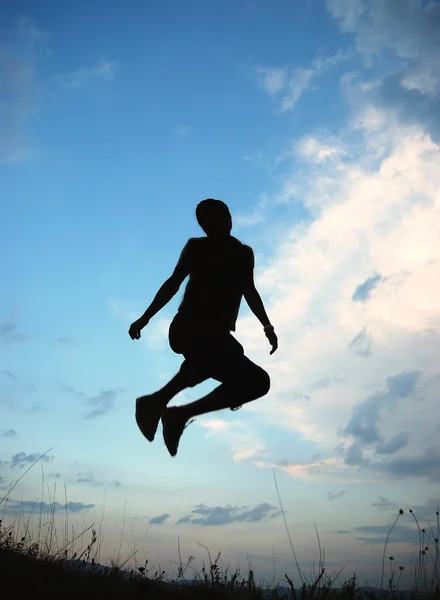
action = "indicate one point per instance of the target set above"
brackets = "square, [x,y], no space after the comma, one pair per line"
[166,292]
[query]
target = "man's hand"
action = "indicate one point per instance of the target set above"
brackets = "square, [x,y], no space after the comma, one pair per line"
[271,336]
[135,328]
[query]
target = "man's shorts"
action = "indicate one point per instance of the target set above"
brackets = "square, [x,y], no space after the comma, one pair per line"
[209,353]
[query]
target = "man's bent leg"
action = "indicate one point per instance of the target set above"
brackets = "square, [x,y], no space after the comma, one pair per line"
[232,394]
[253,382]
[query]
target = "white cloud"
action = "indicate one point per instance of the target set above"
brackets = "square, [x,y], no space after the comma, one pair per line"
[291,84]
[183,131]
[121,312]
[348,12]
[104,70]
[371,219]
[256,215]
[24,51]
[409,28]
[314,150]
[271,80]
[425,81]
[299,82]
[21,51]
[154,335]
[243,443]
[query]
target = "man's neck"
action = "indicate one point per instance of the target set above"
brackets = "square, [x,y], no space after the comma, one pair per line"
[220,239]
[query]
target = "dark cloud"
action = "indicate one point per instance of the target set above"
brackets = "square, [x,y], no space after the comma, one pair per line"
[71,391]
[37,407]
[13,386]
[20,507]
[377,534]
[426,512]
[411,106]
[8,433]
[159,520]
[55,475]
[364,290]
[324,382]
[336,496]
[340,448]
[299,397]
[184,520]
[89,478]
[364,423]
[103,403]
[9,334]
[21,459]
[361,344]
[4,485]
[426,466]
[403,384]
[219,515]
[9,375]
[399,441]
[383,502]
[294,396]
[408,29]
[405,531]
[64,339]
[354,456]
[76,506]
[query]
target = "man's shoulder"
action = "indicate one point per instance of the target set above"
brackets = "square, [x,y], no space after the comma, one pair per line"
[246,250]
[196,240]
[193,242]
[243,247]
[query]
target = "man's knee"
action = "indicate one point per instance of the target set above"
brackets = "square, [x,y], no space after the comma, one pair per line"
[258,382]
[254,385]
[264,382]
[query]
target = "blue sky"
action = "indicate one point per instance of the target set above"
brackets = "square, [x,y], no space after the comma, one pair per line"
[317,123]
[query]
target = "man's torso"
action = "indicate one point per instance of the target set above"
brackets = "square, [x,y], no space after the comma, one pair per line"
[218,272]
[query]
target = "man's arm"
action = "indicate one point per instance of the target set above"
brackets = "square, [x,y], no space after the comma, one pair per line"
[167,291]
[255,303]
[252,296]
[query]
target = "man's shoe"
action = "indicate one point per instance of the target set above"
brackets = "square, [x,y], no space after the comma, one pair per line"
[148,411]
[173,424]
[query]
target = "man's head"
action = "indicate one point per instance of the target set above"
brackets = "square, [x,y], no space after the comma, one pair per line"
[214,218]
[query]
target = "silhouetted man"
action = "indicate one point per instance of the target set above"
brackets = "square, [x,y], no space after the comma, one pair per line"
[221,271]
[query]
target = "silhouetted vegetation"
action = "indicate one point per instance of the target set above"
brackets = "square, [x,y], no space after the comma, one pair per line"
[44,569]
[49,561]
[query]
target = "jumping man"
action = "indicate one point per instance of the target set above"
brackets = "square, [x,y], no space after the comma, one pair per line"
[221,271]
